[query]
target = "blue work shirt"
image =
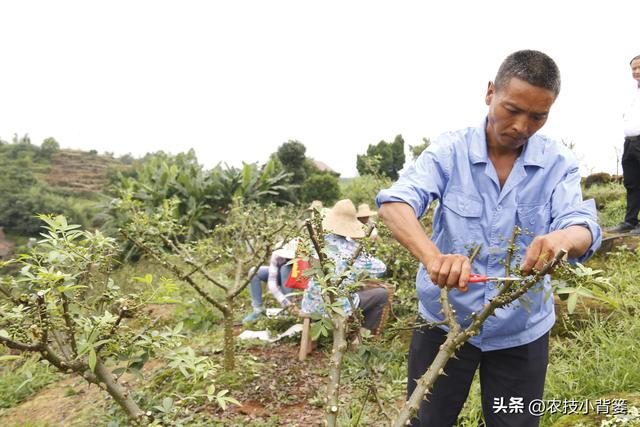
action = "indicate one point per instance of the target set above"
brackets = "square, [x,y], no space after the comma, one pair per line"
[541,194]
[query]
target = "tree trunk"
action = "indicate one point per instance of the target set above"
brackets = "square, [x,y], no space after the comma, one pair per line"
[119,394]
[425,383]
[229,341]
[333,388]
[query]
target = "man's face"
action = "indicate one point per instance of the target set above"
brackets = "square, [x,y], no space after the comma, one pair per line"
[516,111]
[635,69]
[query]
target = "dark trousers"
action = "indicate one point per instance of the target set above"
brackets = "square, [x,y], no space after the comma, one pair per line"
[372,302]
[631,176]
[509,379]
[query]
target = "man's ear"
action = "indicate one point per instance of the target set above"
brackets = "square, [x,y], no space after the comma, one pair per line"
[491,90]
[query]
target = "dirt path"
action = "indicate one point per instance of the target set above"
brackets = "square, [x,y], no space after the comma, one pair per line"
[69,402]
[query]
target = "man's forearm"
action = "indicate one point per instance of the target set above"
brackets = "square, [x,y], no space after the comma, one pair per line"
[406,229]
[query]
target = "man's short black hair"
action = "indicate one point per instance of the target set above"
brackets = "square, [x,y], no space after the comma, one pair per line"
[532,66]
[633,59]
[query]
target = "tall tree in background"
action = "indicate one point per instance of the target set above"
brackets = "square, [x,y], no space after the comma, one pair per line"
[384,158]
[416,150]
[49,147]
[292,156]
[307,181]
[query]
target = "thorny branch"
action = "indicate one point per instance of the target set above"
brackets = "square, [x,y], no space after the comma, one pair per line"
[340,322]
[178,272]
[456,338]
[71,330]
[511,249]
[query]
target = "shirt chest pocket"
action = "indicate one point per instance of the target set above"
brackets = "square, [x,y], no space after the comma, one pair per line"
[533,220]
[461,219]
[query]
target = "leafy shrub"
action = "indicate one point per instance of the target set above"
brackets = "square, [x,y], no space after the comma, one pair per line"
[19,208]
[363,189]
[605,193]
[323,187]
[200,198]
[601,178]
[64,307]
[242,244]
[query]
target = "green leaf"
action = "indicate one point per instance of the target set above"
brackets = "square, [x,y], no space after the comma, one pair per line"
[211,389]
[148,279]
[92,359]
[66,288]
[25,382]
[167,404]
[585,292]
[316,329]
[118,371]
[340,311]
[571,302]
[232,400]
[9,357]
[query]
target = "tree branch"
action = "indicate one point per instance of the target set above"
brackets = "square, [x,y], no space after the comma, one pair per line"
[178,271]
[244,284]
[456,338]
[16,345]
[200,269]
[71,330]
[44,318]
[511,250]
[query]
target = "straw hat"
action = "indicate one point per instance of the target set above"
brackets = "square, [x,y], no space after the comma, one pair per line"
[342,220]
[364,211]
[289,250]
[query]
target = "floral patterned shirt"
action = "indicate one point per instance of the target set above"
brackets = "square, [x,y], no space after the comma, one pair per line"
[340,249]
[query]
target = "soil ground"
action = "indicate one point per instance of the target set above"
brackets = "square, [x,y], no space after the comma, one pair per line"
[280,395]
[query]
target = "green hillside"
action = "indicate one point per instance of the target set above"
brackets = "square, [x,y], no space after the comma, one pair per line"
[77,171]
[44,178]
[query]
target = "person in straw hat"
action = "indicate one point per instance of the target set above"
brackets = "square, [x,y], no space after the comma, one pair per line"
[275,274]
[343,227]
[364,215]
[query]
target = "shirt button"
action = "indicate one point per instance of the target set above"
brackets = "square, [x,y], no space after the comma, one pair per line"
[498,208]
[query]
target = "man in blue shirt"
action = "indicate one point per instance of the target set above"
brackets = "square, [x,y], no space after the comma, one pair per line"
[489,179]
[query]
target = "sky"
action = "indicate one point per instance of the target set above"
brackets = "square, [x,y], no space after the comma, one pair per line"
[235,79]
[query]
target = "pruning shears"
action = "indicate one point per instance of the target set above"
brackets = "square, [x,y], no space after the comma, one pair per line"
[479,278]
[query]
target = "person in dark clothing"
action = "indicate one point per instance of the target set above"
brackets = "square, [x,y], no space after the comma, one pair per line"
[631,157]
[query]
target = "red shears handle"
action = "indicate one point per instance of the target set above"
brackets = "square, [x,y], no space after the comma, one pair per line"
[478,278]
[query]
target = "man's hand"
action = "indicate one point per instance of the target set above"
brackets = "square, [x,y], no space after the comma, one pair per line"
[451,270]
[543,249]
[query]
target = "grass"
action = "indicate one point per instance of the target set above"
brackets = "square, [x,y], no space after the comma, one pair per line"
[22,378]
[604,194]
[610,201]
